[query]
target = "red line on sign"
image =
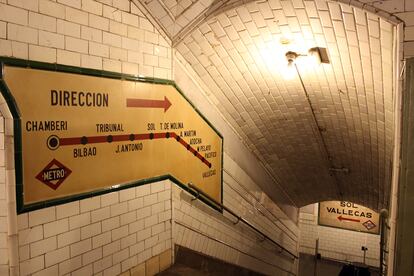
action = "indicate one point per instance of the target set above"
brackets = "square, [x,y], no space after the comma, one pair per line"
[96,139]
[69,141]
[144,136]
[146,103]
[121,138]
[182,142]
[341,218]
[159,135]
[131,137]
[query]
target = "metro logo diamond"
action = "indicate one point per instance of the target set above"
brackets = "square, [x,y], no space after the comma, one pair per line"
[54,174]
[369,225]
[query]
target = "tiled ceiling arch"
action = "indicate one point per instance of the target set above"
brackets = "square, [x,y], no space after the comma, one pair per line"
[334,139]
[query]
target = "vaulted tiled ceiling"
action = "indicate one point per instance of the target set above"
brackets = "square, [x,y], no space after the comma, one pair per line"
[331,140]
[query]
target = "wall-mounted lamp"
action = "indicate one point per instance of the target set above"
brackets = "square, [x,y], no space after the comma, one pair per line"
[315,56]
[291,57]
[290,72]
[318,54]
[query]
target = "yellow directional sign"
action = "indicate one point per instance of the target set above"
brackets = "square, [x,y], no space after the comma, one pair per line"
[348,215]
[85,133]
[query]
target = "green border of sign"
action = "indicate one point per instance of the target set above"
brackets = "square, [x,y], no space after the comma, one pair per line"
[11,103]
[321,224]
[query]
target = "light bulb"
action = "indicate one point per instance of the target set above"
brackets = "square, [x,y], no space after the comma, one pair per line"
[289,72]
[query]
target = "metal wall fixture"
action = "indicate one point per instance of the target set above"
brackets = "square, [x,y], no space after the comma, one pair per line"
[198,192]
[320,55]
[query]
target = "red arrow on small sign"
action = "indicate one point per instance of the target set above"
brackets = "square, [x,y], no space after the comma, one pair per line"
[145,103]
[341,218]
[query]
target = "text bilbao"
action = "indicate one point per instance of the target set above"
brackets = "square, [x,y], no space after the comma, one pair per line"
[349,209]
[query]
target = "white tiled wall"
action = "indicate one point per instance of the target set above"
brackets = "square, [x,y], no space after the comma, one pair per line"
[204,230]
[338,244]
[109,234]
[404,10]
[102,235]
[207,231]
[407,17]
[4,253]
[112,35]
[199,93]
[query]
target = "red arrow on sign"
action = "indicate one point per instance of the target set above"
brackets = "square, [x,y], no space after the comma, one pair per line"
[149,103]
[341,218]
